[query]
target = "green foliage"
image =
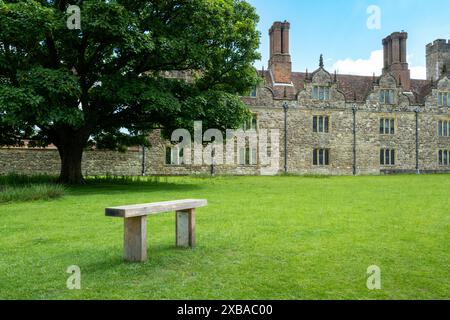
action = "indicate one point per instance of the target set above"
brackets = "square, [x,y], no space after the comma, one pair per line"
[18,188]
[58,84]
[31,193]
[14,179]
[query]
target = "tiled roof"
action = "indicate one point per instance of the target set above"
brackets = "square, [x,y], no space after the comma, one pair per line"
[355,88]
[420,88]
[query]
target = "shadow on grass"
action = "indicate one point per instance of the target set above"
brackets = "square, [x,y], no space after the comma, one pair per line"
[14,180]
[95,185]
[138,187]
[160,257]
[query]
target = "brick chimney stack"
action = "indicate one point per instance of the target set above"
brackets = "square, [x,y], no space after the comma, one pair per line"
[280,64]
[395,58]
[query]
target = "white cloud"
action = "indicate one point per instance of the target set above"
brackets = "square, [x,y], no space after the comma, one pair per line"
[361,67]
[366,67]
[418,72]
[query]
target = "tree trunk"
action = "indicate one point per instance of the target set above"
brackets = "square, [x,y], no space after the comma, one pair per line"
[71,154]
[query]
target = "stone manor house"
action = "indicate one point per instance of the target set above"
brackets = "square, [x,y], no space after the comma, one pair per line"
[344,124]
[329,123]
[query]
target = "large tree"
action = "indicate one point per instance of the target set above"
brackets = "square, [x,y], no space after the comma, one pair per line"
[106,83]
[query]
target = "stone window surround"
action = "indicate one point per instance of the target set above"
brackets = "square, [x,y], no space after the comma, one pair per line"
[326,124]
[392,120]
[441,124]
[326,156]
[389,90]
[383,152]
[442,94]
[252,154]
[442,162]
[319,87]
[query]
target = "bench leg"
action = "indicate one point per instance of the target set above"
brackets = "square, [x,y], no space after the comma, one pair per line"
[135,239]
[185,228]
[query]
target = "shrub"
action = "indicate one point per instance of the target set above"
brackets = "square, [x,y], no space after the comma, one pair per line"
[16,187]
[30,192]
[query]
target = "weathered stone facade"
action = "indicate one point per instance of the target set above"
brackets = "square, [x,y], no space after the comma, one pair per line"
[354,110]
[354,105]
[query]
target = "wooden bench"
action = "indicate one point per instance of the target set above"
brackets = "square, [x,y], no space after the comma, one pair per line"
[135,224]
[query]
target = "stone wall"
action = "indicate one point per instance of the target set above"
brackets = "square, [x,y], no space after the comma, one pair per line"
[46,161]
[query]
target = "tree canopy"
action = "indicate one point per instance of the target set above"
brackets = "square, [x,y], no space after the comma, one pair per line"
[72,88]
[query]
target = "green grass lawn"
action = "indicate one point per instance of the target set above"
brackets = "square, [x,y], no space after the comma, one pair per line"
[259,238]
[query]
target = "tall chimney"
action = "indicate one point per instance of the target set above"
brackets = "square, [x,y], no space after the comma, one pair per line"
[280,64]
[395,58]
[385,54]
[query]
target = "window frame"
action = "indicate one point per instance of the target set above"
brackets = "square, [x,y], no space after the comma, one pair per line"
[321,93]
[444,157]
[389,98]
[321,157]
[388,157]
[443,129]
[321,124]
[387,126]
[248,157]
[443,96]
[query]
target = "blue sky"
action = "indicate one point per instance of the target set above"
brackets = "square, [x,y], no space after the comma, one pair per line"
[338,29]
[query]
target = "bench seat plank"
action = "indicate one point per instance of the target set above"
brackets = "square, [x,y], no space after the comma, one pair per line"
[153,208]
